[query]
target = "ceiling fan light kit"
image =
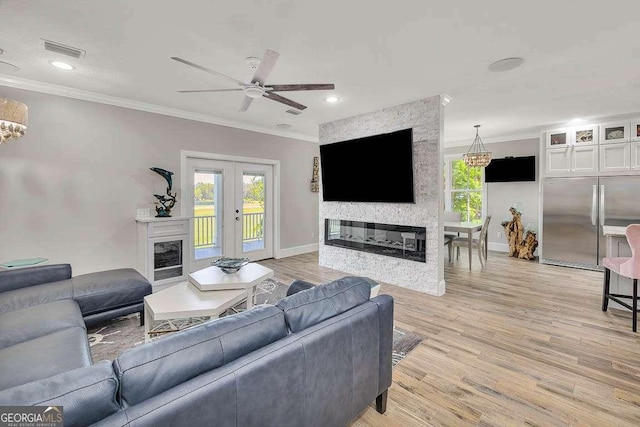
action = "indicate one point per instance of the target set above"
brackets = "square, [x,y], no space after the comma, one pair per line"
[258,87]
[254,91]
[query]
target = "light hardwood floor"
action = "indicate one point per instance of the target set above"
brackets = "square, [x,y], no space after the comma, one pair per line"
[515,343]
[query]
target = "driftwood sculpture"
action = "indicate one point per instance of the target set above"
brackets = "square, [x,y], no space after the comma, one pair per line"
[518,247]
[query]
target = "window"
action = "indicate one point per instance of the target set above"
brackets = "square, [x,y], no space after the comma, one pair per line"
[463,190]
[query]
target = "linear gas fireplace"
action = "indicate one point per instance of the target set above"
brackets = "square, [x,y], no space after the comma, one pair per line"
[398,241]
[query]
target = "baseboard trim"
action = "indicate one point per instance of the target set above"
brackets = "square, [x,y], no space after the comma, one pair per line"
[297,250]
[499,247]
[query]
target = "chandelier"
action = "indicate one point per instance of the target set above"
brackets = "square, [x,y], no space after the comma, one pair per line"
[13,119]
[477,156]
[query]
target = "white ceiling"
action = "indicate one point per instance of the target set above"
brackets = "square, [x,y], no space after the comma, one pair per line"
[582,58]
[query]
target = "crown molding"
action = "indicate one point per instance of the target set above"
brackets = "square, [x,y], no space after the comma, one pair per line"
[531,134]
[51,89]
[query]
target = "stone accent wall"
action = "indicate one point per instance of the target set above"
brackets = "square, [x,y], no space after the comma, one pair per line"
[426,118]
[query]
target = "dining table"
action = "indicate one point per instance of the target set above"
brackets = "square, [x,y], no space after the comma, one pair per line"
[464,227]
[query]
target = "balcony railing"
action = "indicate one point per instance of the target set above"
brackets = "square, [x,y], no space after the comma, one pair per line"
[252,226]
[205,229]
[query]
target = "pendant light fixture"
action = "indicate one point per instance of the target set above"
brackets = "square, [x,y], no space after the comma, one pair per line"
[13,119]
[477,156]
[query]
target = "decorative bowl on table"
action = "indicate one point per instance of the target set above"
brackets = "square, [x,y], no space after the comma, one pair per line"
[230,265]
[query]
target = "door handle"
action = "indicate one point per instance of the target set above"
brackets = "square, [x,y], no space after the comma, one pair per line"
[594,201]
[602,205]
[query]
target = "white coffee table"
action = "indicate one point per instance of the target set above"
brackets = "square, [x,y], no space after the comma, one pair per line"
[184,300]
[214,279]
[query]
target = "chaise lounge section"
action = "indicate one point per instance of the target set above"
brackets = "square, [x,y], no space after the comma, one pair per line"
[45,312]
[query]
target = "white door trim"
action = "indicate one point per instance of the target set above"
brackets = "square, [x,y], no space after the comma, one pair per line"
[184,154]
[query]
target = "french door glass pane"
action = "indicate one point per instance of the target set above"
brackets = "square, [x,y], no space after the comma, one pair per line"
[253,201]
[207,214]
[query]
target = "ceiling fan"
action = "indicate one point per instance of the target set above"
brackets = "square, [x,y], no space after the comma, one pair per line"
[258,87]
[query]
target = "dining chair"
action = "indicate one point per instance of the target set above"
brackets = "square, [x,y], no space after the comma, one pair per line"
[480,243]
[624,267]
[450,216]
[447,243]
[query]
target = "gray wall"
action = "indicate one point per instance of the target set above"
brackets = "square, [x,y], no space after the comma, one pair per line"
[69,189]
[500,195]
[426,118]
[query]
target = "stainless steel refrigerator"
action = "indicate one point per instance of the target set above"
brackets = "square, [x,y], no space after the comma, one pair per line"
[574,212]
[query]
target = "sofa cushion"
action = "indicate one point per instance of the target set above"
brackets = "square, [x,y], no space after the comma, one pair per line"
[87,394]
[306,308]
[187,354]
[44,357]
[34,322]
[108,290]
[32,276]
[35,295]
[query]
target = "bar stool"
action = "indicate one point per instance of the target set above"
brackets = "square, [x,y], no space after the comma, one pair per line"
[625,267]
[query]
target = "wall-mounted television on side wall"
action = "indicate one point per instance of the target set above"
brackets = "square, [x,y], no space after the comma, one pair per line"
[511,169]
[377,168]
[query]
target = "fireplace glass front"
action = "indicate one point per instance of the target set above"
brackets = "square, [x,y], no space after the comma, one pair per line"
[398,241]
[167,259]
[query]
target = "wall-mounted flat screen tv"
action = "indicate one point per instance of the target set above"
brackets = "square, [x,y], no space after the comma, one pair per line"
[373,169]
[511,169]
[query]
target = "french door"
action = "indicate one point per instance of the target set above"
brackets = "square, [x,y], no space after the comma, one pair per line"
[231,205]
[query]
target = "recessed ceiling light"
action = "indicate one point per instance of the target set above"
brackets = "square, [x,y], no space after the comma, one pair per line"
[506,64]
[284,125]
[62,65]
[577,120]
[332,99]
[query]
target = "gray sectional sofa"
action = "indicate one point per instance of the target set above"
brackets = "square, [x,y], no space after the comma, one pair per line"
[317,358]
[44,313]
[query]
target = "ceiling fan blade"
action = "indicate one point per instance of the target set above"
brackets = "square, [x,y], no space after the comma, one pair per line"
[207,70]
[209,90]
[265,67]
[286,88]
[283,100]
[245,104]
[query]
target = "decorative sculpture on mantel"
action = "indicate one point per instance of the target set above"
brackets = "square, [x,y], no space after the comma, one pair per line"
[513,230]
[168,201]
[315,185]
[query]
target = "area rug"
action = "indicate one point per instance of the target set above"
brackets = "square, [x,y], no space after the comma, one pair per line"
[109,340]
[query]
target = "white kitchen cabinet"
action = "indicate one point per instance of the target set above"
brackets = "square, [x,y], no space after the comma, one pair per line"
[615,157]
[584,159]
[585,135]
[615,132]
[557,138]
[635,155]
[635,130]
[558,160]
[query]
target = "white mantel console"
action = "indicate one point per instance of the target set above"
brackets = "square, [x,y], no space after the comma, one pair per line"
[163,255]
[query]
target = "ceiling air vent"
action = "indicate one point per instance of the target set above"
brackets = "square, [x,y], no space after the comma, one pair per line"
[73,52]
[294,112]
